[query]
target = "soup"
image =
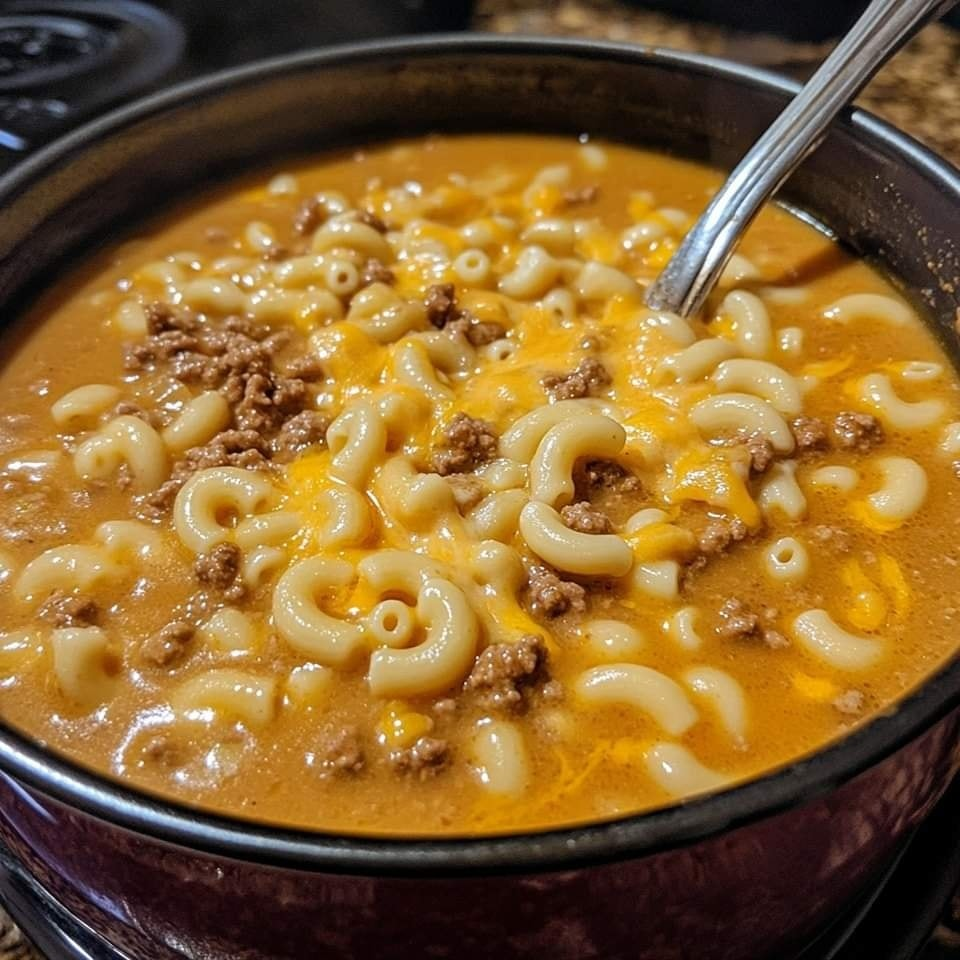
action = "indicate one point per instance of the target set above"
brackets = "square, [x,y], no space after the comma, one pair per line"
[367,496]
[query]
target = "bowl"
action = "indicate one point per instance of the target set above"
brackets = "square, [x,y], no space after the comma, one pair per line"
[749,873]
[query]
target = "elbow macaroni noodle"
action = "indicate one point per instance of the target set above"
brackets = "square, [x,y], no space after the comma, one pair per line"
[551,470]
[125,441]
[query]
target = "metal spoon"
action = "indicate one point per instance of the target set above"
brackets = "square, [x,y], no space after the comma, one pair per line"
[881,31]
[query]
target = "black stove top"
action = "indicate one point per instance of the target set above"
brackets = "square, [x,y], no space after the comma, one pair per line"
[64,61]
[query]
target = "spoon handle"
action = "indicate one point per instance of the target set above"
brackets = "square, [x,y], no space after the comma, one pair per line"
[884,27]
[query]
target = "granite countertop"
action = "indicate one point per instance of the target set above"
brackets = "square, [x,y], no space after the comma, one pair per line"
[918,91]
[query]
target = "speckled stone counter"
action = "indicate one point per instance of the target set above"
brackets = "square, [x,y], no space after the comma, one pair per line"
[919,90]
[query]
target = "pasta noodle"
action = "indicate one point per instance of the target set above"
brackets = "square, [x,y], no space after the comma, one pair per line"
[210,495]
[679,772]
[124,441]
[613,640]
[340,234]
[346,513]
[868,306]
[835,477]
[520,442]
[129,539]
[724,694]
[228,693]
[787,561]
[647,690]
[501,758]
[357,440]
[497,516]
[659,579]
[781,494]
[309,686]
[698,360]
[536,271]
[762,378]
[877,392]
[302,622]
[199,421]
[730,412]
[382,314]
[452,632]
[85,666]
[819,634]
[753,333]
[682,629]
[551,470]
[230,631]
[66,569]
[82,406]
[902,493]
[566,549]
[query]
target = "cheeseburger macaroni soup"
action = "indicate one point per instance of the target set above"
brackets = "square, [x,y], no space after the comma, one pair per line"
[366,495]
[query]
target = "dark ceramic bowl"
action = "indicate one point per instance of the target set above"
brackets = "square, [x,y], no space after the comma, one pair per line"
[751,873]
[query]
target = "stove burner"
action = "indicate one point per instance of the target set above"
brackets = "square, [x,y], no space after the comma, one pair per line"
[41,49]
[63,60]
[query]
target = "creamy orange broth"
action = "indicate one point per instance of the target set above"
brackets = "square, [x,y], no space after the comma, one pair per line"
[257,741]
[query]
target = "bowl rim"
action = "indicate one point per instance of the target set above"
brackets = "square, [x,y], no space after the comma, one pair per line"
[631,836]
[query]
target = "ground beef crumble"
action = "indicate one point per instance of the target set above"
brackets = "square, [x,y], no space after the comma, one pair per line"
[375,272]
[274,253]
[467,490]
[162,750]
[478,333]
[610,476]
[552,691]
[761,453]
[445,707]
[236,358]
[720,534]
[306,429]
[585,518]
[372,220]
[832,537]
[268,401]
[850,702]
[162,317]
[504,670]
[441,304]
[311,213]
[219,566]
[580,196]
[609,487]
[306,368]
[169,645]
[585,381]
[552,596]
[738,622]
[271,410]
[340,750]
[126,408]
[857,431]
[467,443]
[426,757]
[810,434]
[67,610]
